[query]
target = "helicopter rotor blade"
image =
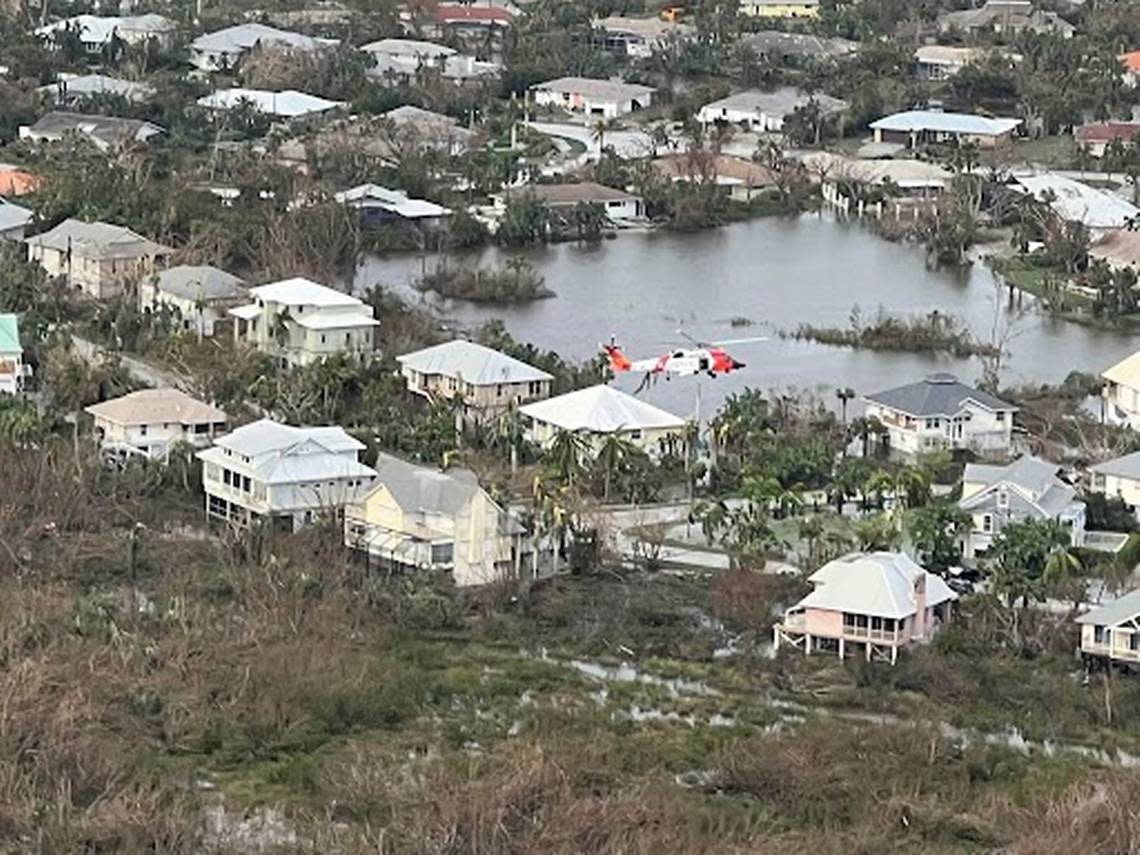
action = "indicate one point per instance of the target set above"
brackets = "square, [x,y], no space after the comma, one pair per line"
[731,341]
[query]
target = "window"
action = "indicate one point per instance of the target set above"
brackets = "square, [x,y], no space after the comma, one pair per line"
[142,430]
[1003,498]
[1100,635]
[201,428]
[635,434]
[1000,415]
[442,553]
[1134,641]
[322,338]
[347,338]
[226,477]
[499,391]
[876,624]
[245,487]
[987,523]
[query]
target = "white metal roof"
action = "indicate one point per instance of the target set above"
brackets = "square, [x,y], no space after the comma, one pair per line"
[873,583]
[245,36]
[287,104]
[98,84]
[1078,202]
[1117,612]
[95,29]
[590,87]
[600,409]
[946,123]
[281,453]
[395,201]
[475,363]
[13,216]
[303,292]
[336,320]
[408,47]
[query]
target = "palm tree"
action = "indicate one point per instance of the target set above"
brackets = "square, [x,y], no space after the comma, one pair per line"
[598,132]
[613,452]
[844,395]
[914,483]
[200,306]
[566,456]
[810,530]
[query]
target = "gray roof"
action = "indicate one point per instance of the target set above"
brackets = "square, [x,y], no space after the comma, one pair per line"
[798,44]
[243,37]
[572,194]
[191,282]
[83,85]
[105,131]
[1034,488]
[13,216]
[475,363]
[425,488]
[590,87]
[779,102]
[1114,613]
[1127,466]
[97,240]
[936,395]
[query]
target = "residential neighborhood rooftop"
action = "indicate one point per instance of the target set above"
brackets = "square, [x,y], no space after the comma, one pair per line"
[192,282]
[937,395]
[151,406]
[288,103]
[10,333]
[1127,466]
[1076,201]
[418,488]
[473,362]
[245,36]
[103,240]
[590,87]
[779,102]
[875,583]
[949,123]
[299,291]
[600,409]
[1115,612]
[572,194]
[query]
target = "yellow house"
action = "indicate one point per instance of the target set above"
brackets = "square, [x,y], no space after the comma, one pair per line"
[419,518]
[779,8]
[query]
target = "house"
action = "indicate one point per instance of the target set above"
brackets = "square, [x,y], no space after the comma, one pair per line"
[779,8]
[1130,62]
[14,220]
[417,518]
[779,47]
[16,182]
[287,476]
[302,322]
[106,133]
[13,371]
[1111,633]
[70,89]
[1119,478]
[471,20]
[201,295]
[1006,18]
[639,37]
[401,60]
[287,104]
[1095,137]
[1026,490]
[100,259]
[96,33]
[1075,201]
[486,381]
[742,179]
[1121,392]
[912,179]
[764,112]
[601,410]
[941,62]
[379,206]
[149,422]
[222,50]
[1118,248]
[617,203]
[606,98]
[918,127]
[940,412]
[867,604]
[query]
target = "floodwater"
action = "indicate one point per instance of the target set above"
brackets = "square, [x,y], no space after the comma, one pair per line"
[779,273]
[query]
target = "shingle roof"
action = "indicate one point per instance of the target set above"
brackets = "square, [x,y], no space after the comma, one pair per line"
[97,240]
[875,583]
[601,409]
[949,123]
[1033,481]
[106,131]
[155,406]
[937,395]
[475,363]
[1116,612]
[10,334]
[1127,466]
[423,488]
[572,194]
[191,282]
[589,87]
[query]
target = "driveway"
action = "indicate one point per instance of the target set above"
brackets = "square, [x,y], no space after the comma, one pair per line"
[624,143]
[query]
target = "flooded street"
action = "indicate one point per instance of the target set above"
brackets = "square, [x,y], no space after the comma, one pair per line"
[778,273]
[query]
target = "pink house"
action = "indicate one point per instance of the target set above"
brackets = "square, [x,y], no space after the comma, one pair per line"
[867,603]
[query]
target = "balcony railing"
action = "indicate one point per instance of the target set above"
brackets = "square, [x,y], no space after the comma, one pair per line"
[863,633]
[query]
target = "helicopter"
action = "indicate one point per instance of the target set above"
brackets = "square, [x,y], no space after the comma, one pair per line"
[703,358]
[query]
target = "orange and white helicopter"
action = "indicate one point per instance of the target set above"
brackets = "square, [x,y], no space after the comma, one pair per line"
[704,358]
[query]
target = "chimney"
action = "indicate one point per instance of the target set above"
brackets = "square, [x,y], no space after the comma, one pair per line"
[919,629]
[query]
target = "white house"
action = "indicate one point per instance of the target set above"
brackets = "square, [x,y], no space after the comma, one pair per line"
[1121,392]
[96,32]
[764,112]
[14,220]
[639,37]
[869,605]
[378,205]
[1026,490]
[940,412]
[617,204]
[148,422]
[1078,202]
[1111,633]
[605,98]
[916,127]
[941,62]
[70,88]
[223,49]
[601,410]
[418,518]
[287,104]
[301,322]
[200,294]
[13,371]
[402,59]
[1119,478]
[286,475]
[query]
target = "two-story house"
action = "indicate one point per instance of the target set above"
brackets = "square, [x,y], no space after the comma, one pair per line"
[301,322]
[284,474]
[941,412]
[419,518]
[1027,489]
[148,422]
[1111,633]
[1119,478]
[867,604]
[1121,392]
[13,371]
[200,295]
[100,259]
[487,382]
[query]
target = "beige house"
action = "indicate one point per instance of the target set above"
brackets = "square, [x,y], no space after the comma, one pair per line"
[100,259]
[419,518]
[301,322]
[487,381]
[867,604]
[1112,632]
[147,423]
[601,410]
[1121,392]
[200,295]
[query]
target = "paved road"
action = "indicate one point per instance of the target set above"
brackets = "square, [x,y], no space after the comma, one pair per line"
[140,371]
[624,143]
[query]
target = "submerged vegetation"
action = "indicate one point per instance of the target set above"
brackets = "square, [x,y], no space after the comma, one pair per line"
[515,282]
[935,332]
